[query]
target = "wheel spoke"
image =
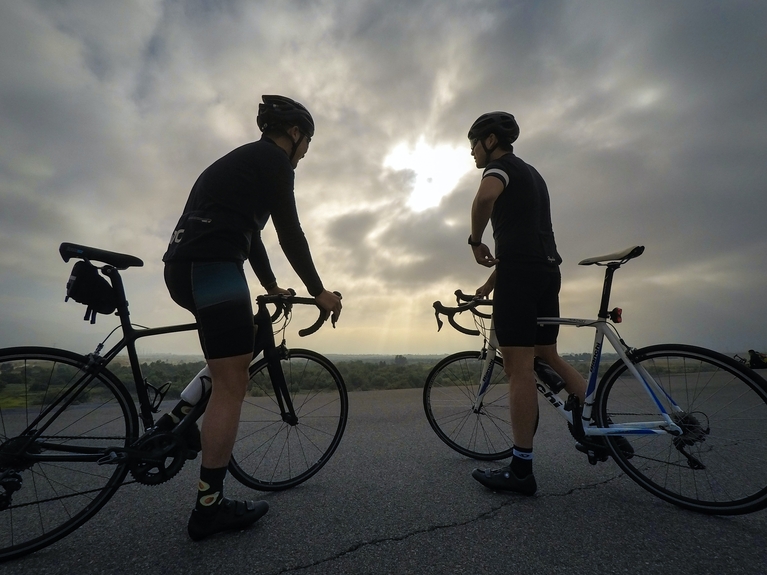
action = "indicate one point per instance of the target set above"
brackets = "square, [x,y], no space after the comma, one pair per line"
[449,400]
[724,422]
[271,453]
[56,496]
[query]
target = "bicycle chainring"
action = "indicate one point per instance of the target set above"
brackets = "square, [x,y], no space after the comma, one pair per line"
[165,456]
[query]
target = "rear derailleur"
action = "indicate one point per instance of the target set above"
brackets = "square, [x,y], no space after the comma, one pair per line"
[10,482]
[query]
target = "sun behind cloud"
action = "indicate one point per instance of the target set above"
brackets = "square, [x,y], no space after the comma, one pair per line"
[437,169]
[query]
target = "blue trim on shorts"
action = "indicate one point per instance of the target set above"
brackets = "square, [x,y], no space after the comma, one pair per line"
[215,283]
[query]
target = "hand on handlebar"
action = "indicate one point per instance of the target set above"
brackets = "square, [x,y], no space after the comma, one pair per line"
[331,303]
[487,288]
[277,290]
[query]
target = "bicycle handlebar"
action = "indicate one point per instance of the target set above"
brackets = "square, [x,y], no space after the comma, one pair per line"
[462,297]
[284,302]
[470,305]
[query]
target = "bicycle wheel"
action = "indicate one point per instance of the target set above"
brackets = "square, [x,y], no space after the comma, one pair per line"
[271,453]
[52,485]
[719,464]
[448,400]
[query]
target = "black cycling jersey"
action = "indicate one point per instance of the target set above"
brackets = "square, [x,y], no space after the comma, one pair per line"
[521,215]
[229,205]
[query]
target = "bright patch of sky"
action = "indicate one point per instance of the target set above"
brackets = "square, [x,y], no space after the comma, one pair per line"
[437,169]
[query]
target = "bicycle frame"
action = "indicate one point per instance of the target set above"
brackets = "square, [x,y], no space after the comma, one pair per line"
[602,330]
[130,335]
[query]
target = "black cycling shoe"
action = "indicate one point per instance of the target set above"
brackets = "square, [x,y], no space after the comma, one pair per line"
[503,479]
[191,435]
[231,515]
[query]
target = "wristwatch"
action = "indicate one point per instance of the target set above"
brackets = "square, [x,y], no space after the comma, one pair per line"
[474,244]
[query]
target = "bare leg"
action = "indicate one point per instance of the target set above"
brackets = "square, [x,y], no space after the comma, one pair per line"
[222,415]
[523,405]
[574,382]
[523,397]
[213,512]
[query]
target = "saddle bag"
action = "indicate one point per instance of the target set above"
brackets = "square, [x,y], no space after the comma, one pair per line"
[86,286]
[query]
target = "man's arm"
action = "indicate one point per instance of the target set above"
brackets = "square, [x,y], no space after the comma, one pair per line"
[294,245]
[481,209]
[259,261]
[487,288]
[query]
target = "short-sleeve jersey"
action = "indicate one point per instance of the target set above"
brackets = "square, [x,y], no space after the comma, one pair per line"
[229,205]
[521,216]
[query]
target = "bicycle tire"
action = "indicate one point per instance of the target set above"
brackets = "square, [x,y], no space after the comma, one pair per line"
[448,400]
[724,419]
[270,454]
[56,497]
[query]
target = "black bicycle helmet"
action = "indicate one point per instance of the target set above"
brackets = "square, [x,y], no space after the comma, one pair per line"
[502,124]
[282,112]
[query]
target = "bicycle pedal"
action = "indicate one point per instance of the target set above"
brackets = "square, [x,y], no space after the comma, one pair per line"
[594,455]
[595,458]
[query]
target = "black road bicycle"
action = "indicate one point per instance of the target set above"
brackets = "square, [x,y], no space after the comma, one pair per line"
[71,433]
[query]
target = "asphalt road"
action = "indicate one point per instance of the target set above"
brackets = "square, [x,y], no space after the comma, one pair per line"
[395,500]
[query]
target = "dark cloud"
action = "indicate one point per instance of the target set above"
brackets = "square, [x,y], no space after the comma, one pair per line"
[646,120]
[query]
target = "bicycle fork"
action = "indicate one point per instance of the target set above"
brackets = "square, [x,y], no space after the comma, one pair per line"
[274,367]
[489,352]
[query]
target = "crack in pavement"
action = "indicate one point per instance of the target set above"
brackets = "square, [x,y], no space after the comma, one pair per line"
[432,528]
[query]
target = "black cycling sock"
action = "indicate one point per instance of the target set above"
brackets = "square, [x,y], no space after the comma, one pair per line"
[210,489]
[522,462]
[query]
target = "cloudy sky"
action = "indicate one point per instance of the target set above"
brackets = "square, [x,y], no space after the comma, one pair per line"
[647,119]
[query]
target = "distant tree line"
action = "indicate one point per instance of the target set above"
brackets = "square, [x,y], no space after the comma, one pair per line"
[398,372]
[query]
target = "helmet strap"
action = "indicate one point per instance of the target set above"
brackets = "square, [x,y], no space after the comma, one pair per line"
[295,144]
[487,150]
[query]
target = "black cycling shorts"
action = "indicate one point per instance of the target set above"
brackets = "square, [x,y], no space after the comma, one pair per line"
[522,294]
[218,296]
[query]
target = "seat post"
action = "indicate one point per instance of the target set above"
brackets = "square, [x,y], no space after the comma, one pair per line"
[117,283]
[606,288]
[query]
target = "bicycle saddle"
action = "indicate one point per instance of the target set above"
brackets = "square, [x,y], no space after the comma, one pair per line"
[119,261]
[622,256]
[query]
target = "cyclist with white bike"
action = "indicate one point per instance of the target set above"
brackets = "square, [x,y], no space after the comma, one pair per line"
[526,280]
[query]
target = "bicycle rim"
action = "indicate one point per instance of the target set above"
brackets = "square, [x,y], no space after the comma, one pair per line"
[719,464]
[271,454]
[448,400]
[56,493]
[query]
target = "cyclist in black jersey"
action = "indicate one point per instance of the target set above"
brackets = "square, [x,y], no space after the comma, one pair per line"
[220,228]
[526,280]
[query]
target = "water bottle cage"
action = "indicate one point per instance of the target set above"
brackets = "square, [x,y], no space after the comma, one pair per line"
[157,394]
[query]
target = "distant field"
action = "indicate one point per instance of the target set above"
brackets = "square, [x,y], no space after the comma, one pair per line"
[361,372]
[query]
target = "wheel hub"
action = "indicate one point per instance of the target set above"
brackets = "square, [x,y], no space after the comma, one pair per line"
[693,430]
[12,453]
